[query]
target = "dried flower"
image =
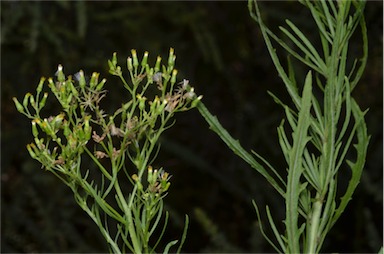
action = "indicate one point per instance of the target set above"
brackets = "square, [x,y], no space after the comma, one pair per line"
[116,131]
[100,154]
[115,153]
[97,138]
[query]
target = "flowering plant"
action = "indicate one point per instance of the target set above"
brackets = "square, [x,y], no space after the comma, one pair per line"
[121,146]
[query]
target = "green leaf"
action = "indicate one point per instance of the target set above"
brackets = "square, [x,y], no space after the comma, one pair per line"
[295,170]
[356,167]
[282,245]
[235,146]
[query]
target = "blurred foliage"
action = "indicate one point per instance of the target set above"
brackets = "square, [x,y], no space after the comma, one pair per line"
[221,51]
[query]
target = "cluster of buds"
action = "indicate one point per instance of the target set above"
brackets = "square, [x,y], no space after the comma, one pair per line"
[157,183]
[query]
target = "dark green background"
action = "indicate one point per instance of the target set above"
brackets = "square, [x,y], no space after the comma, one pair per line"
[221,51]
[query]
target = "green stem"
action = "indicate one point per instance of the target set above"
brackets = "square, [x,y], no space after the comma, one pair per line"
[128,212]
[314,226]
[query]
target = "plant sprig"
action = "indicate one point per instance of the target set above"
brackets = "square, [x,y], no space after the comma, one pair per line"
[316,150]
[122,145]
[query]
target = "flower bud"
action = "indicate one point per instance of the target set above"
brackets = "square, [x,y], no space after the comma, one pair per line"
[87,129]
[40,86]
[196,101]
[149,72]
[145,59]
[52,85]
[173,78]
[94,80]
[114,59]
[19,107]
[73,89]
[47,128]
[25,101]
[161,107]
[171,58]
[134,57]
[32,101]
[165,186]
[35,132]
[154,104]
[150,175]
[157,65]
[101,84]
[68,101]
[43,100]
[58,120]
[39,143]
[31,152]
[81,79]
[129,64]
[141,101]
[60,74]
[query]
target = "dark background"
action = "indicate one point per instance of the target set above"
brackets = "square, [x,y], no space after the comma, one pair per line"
[221,51]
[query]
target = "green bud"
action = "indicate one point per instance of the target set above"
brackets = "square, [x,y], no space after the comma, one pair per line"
[154,104]
[118,70]
[39,143]
[161,107]
[94,80]
[129,64]
[40,86]
[35,132]
[60,73]
[43,100]
[72,89]
[155,174]
[68,101]
[145,59]
[87,129]
[82,81]
[196,101]
[31,152]
[173,78]
[148,71]
[58,121]
[134,57]
[111,67]
[157,65]
[25,101]
[141,101]
[52,85]
[101,84]
[150,177]
[19,107]
[32,101]
[167,187]
[114,59]
[47,128]
[171,58]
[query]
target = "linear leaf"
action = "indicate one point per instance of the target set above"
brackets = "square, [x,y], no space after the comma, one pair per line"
[295,166]
[357,167]
[235,146]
